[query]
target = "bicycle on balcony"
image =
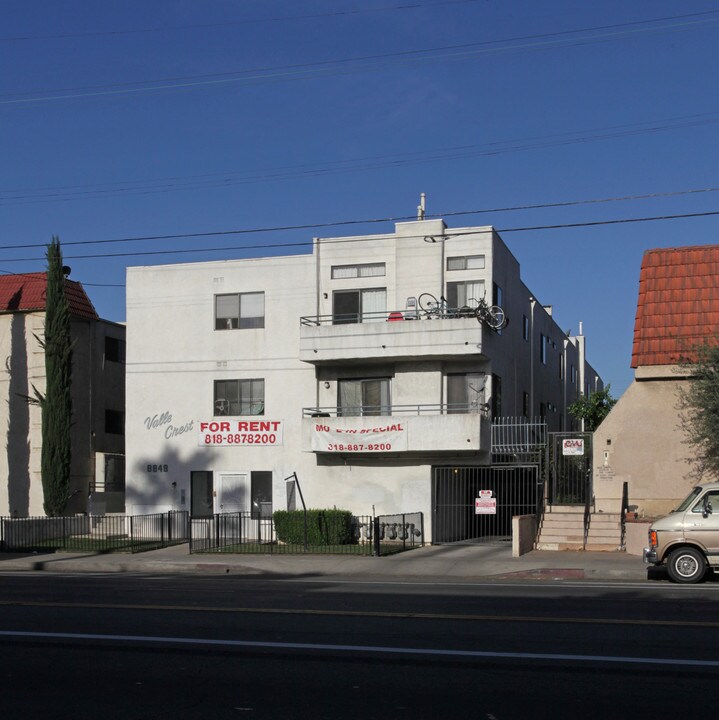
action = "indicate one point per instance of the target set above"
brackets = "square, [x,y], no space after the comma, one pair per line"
[491,315]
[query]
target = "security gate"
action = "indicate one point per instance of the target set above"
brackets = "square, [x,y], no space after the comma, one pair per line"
[476,504]
[570,468]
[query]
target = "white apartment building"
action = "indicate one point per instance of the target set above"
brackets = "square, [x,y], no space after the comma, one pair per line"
[243,373]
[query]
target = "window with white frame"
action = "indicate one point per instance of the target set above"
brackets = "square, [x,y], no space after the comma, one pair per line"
[461,294]
[239,397]
[240,311]
[342,272]
[362,396]
[466,262]
[355,306]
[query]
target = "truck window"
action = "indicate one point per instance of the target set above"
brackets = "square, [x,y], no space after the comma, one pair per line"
[689,500]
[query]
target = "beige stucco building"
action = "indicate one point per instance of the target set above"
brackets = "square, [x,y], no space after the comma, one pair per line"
[641,442]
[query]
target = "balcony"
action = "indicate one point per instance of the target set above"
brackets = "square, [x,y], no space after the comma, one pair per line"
[390,335]
[408,429]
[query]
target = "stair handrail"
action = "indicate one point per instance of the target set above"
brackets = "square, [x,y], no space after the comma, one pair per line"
[625,505]
[587,512]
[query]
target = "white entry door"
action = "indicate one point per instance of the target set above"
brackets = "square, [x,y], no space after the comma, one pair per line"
[233,493]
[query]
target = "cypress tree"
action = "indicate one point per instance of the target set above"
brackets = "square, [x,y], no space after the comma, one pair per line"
[56,403]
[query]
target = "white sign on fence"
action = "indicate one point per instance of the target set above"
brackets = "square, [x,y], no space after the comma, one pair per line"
[574,446]
[485,504]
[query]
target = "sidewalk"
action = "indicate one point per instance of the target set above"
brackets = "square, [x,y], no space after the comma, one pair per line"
[438,562]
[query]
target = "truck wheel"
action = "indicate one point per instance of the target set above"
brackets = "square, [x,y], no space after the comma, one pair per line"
[686,565]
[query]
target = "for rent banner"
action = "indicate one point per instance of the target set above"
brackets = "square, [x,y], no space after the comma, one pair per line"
[228,433]
[382,437]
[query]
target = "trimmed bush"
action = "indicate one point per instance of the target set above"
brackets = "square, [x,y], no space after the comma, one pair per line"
[324,527]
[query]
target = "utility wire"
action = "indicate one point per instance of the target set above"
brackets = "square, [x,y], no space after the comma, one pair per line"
[231,178]
[304,243]
[316,69]
[232,23]
[368,221]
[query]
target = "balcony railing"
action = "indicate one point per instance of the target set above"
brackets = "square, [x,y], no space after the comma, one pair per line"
[390,336]
[386,410]
[462,313]
[400,429]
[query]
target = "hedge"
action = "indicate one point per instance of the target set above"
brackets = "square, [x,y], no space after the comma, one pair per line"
[324,527]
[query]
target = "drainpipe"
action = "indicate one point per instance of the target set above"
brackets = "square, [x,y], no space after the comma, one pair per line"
[316,242]
[532,305]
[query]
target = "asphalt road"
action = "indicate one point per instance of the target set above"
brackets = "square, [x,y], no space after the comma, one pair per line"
[140,647]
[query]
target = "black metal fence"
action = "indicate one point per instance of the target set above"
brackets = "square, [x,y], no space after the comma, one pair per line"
[307,532]
[94,533]
[477,504]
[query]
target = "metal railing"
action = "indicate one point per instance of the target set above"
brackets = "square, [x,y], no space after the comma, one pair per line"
[448,313]
[94,533]
[518,435]
[625,507]
[324,533]
[389,410]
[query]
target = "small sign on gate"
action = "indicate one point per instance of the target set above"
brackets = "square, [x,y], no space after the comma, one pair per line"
[573,446]
[485,504]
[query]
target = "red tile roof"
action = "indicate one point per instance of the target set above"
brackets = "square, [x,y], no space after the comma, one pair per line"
[26,292]
[678,303]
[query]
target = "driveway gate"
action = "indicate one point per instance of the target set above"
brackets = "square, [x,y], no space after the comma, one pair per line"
[458,517]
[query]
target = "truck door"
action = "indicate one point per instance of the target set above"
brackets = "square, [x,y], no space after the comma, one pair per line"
[701,524]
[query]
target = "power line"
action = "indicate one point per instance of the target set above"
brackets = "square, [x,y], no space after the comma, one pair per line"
[224,180]
[367,221]
[232,23]
[335,66]
[303,243]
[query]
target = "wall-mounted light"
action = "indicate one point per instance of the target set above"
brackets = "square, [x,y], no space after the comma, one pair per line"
[325,296]
[327,385]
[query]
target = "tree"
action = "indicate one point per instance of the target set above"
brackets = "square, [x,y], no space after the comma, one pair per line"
[593,409]
[699,406]
[56,403]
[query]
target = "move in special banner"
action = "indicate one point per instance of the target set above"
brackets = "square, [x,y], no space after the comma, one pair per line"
[227,433]
[391,437]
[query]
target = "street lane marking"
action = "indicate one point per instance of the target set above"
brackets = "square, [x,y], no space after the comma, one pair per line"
[374,649]
[365,613]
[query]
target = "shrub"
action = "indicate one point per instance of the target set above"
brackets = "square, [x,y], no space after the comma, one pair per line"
[324,527]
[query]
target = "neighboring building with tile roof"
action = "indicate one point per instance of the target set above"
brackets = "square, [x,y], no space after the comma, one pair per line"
[98,399]
[678,304]
[641,442]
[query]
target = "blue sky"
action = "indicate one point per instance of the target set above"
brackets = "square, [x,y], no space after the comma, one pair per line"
[134,119]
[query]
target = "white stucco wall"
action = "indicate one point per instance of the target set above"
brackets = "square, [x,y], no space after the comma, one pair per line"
[175,355]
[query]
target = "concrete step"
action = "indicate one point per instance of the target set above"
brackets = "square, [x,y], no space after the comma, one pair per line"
[573,539]
[608,531]
[559,546]
[559,526]
[602,547]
